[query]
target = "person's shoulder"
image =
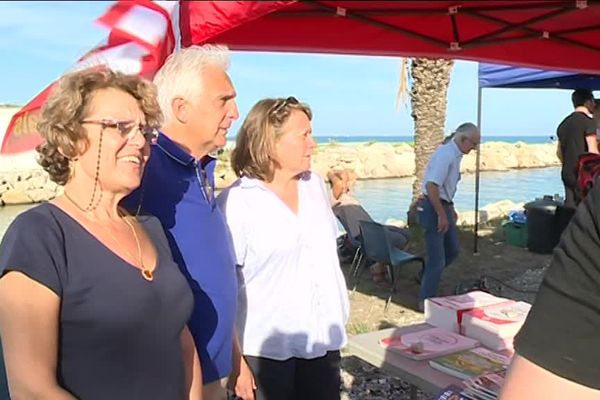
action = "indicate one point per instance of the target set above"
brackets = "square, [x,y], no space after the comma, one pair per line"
[234,194]
[571,118]
[38,217]
[316,185]
[579,117]
[230,190]
[312,176]
[31,228]
[312,179]
[444,152]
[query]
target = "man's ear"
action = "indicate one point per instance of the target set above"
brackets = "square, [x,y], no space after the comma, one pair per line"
[180,110]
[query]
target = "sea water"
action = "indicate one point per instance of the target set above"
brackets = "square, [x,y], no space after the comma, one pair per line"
[409,139]
[390,198]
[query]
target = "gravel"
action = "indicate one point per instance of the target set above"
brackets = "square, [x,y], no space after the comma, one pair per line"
[361,380]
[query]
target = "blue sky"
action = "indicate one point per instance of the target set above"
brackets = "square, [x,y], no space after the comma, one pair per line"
[349,95]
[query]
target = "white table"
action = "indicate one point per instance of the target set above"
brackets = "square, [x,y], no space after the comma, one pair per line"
[417,373]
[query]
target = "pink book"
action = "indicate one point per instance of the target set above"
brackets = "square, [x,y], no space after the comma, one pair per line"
[427,343]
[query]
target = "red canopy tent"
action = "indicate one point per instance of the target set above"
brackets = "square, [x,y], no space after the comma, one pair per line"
[558,34]
[562,34]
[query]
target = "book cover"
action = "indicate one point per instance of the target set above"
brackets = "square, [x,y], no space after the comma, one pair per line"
[470,363]
[427,343]
[451,392]
[486,385]
[469,300]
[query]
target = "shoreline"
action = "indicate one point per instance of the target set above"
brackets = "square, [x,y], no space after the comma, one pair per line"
[23,181]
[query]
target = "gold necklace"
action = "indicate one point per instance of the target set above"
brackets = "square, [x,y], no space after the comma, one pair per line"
[147,274]
[85,210]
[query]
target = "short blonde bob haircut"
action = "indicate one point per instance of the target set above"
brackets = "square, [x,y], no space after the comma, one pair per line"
[60,123]
[254,153]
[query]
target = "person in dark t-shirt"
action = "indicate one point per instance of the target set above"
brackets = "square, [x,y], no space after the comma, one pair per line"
[92,305]
[597,116]
[576,136]
[558,347]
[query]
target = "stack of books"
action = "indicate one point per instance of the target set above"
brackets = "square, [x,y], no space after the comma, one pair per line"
[471,363]
[427,343]
[496,325]
[447,312]
[484,387]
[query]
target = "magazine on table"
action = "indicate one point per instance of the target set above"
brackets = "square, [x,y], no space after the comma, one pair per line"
[470,363]
[427,343]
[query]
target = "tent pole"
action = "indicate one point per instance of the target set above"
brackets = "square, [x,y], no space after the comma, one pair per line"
[477,160]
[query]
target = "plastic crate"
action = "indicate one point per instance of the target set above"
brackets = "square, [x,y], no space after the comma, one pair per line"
[515,234]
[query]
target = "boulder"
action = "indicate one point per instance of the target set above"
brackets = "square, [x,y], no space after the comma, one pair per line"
[40,194]
[14,196]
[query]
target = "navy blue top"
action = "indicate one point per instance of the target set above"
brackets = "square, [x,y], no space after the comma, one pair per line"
[119,335]
[178,189]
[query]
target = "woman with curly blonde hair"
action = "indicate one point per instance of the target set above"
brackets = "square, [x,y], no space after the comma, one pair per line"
[92,305]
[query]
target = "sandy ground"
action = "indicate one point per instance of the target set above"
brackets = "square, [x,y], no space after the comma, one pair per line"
[518,267]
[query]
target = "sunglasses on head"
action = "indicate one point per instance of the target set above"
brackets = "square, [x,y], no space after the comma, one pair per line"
[281,104]
[127,129]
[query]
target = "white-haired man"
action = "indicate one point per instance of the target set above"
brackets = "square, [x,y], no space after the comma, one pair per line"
[436,208]
[198,102]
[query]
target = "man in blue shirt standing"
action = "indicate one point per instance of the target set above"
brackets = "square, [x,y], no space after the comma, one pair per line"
[197,99]
[436,208]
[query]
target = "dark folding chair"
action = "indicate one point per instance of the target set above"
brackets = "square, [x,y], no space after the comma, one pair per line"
[350,217]
[376,247]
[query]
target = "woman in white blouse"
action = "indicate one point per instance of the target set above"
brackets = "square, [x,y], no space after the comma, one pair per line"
[293,302]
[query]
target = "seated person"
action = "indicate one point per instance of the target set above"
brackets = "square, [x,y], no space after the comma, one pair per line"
[349,211]
[342,182]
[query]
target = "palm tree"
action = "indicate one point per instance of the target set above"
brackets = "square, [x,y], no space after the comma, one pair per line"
[428,95]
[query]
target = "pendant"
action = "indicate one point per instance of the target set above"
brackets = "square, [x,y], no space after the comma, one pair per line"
[148,274]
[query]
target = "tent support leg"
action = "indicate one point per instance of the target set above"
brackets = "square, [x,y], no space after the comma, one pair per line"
[477,161]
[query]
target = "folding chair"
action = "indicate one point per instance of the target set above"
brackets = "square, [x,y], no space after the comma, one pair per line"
[375,246]
[350,217]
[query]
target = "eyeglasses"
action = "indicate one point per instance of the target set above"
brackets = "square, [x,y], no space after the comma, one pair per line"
[280,105]
[127,129]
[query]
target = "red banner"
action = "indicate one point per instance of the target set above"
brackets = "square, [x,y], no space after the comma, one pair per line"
[142,35]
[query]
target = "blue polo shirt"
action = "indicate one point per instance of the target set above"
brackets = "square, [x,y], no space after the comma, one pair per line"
[178,189]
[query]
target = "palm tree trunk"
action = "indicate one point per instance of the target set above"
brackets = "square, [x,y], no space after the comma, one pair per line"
[429,94]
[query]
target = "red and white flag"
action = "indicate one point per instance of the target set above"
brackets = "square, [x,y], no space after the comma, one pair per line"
[142,35]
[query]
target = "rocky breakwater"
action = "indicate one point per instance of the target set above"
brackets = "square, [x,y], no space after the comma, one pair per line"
[23,181]
[387,160]
[25,187]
